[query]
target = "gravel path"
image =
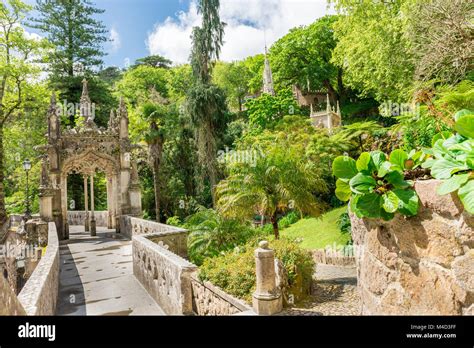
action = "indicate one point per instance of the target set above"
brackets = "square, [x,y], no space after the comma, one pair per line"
[334,292]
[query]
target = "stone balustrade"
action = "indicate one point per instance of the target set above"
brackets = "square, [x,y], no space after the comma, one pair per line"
[164,274]
[131,226]
[78,217]
[208,299]
[40,293]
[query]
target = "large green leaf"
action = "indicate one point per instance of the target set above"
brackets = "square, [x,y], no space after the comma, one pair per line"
[397,180]
[353,205]
[465,126]
[369,205]
[462,113]
[362,183]
[466,194]
[442,135]
[384,169]
[378,157]
[390,202]
[398,158]
[443,168]
[343,190]
[452,184]
[344,167]
[364,163]
[408,201]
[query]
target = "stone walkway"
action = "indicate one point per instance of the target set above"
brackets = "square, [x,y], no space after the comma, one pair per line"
[96,277]
[334,292]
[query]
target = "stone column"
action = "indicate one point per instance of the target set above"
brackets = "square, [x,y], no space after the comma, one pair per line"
[267,299]
[93,226]
[86,205]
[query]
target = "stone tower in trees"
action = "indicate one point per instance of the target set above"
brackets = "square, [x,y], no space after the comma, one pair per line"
[267,76]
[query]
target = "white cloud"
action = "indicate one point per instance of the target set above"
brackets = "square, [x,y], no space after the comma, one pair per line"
[114,38]
[249,23]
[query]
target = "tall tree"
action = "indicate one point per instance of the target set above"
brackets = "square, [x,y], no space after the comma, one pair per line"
[206,102]
[303,58]
[77,37]
[372,48]
[73,30]
[234,79]
[16,69]
[155,114]
[155,61]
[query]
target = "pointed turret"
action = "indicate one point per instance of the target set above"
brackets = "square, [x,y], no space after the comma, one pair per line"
[53,119]
[122,115]
[267,76]
[85,103]
[338,109]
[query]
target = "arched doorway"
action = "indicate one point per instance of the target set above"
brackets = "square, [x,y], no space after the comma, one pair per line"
[86,150]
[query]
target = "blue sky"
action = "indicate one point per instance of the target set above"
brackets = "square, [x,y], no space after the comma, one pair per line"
[142,27]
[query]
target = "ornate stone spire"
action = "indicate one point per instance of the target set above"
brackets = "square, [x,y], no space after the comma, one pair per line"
[112,120]
[122,110]
[86,102]
[328,104]
[122,119]
[267,76]
[338,109]
[53,119]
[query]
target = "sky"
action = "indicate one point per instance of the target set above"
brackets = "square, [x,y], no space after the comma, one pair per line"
[137,28]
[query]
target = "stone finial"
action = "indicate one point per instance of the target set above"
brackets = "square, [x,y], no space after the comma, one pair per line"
[122,110]
[267,76]
[328,103]
[338,109]
[263,244]
[112,121]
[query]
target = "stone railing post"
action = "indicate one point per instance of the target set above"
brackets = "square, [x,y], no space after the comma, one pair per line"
[267,299]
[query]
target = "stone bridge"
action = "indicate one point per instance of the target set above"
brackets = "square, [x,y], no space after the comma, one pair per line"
[139,269]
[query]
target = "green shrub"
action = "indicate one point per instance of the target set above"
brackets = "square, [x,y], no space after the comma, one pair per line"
[211,234]
[288,219]
[453,159]
[344,222]
[234,272]
[375,184]
[173,221]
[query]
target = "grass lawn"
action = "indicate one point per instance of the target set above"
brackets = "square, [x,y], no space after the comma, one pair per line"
[319,232]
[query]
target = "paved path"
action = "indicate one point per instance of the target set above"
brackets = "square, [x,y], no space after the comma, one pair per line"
[334,292]
[96,277]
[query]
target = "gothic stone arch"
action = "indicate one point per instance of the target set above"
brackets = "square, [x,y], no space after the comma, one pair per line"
[85,150]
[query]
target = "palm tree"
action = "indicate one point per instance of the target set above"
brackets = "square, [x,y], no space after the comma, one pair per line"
[277,182]
[211,234]
[155,138]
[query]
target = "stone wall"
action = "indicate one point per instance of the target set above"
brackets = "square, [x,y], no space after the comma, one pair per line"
[40,293]
[9,304]
[77,217]
[132,226]
[422,265]
[164,274]
[208,299]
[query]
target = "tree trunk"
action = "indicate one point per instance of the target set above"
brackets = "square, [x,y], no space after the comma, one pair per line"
[340,87]
[3,212]
[332,93]
[274,221]
[156,151]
